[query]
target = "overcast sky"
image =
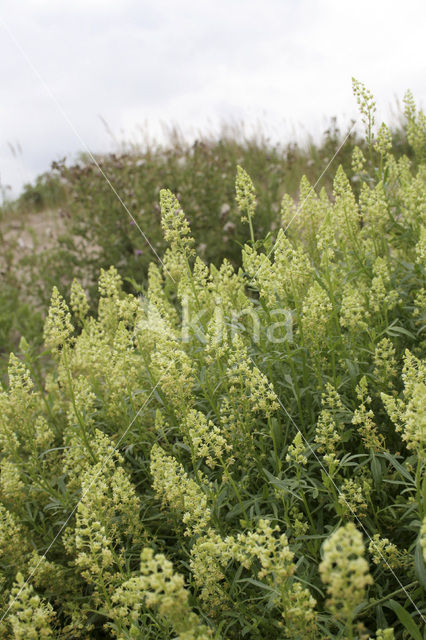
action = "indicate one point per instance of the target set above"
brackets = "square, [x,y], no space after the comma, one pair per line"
[195,63]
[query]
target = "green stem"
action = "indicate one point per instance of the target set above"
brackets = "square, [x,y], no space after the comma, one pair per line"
[302,494]
[76,411]
[237,493]
[277,458]
[251,229]
[390,595]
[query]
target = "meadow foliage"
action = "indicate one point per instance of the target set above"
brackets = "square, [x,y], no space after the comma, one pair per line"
[240,451]
[91,228]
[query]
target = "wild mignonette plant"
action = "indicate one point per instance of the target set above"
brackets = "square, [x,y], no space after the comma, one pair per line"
[236,453]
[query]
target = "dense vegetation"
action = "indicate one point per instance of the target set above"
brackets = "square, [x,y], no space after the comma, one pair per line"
[240,451]
[96,228]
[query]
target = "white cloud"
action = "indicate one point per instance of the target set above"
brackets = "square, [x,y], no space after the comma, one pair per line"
[194,62]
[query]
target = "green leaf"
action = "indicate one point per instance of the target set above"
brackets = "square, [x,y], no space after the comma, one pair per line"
[419,565]
[353,369]
[278,431]
[280,484]
[376,470]
[260,585]
[405,619]
[381,619]
[395,331]
[402,470]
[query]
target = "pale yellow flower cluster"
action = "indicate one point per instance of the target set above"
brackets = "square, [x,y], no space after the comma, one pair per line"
[409,414]
[109,283]
[65,588]
[297,451]
[423,538]
[216,337]
[248,385]
[374,210]
[20,383]
[416,125]
[174,223]
[30,618]
[277,568]
[326,241]
[300,618]
[175,266]
[273,554]
[18,410]
[58,328]
[353,496]
[307,217]
[367,106]
[292,271]
[288,207]
[316,312]
[13,540]
[205,438]
[419,313]
[329,425]
[382,296]
[43,433]
[245,194]
[412,193]
[298,522]
[384,552]
[157,587]
[106,520]
[211,555]
[227,289]
[345,211]
[157,296]
[286,279]
[358,160]
[79,458]
[78,301]
[344,571]
[178,491]
[385,365]
[363,418]
[171,365]
[113,307]
[383,141]
[261,270]
[12,489]
[354,314]
[24,434]
[421,247]
[82,407]
[385,634]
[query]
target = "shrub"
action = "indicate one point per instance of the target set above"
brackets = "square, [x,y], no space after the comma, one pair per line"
[239,452]
[108,215]
[94,230]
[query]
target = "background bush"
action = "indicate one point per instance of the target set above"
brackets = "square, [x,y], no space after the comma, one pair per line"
[95,230]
